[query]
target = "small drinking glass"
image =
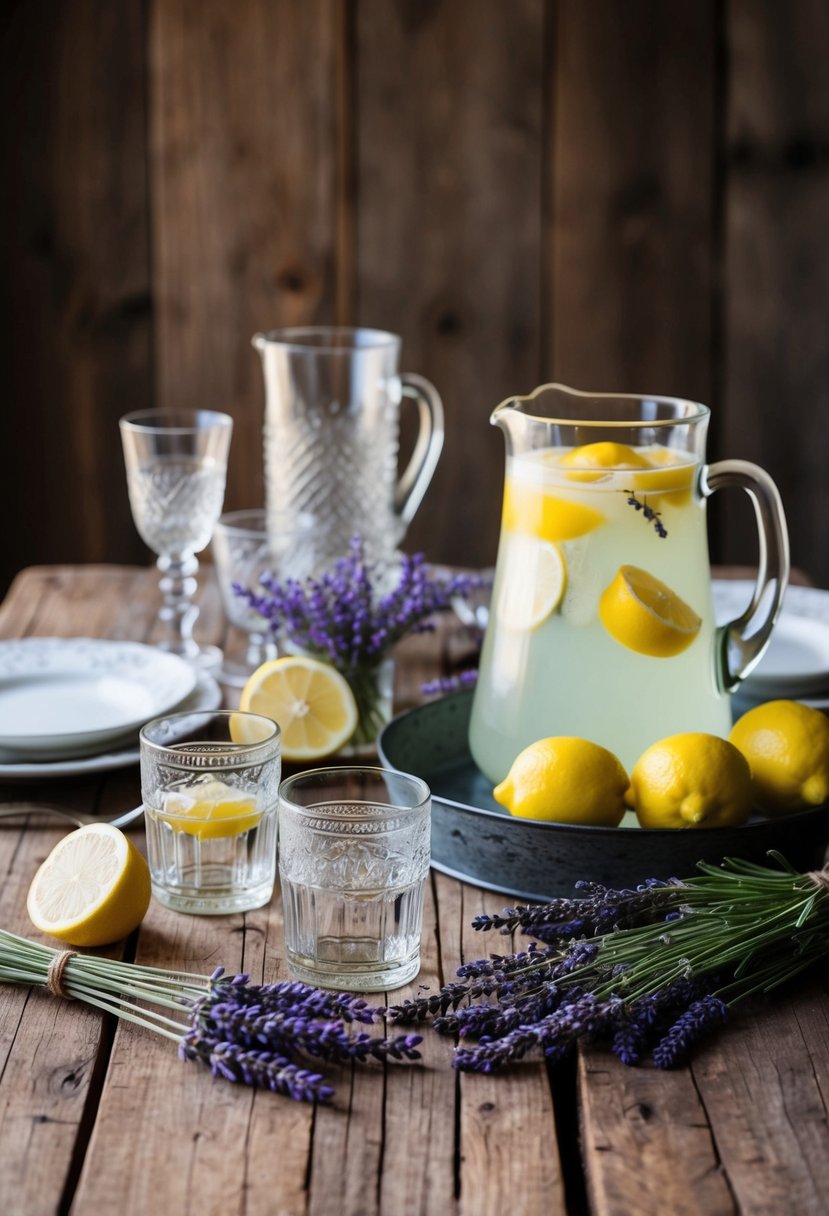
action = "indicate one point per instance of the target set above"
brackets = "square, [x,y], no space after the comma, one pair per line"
[176,464]
[210,787]
[245,545]
[353,858]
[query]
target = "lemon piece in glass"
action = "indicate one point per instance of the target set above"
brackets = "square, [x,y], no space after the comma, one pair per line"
[534,512]
[593,461]
[92,889]
[535,578]
[565,780]
[309,700]
[691,780]
[210,809]
[786,745]
[645,615]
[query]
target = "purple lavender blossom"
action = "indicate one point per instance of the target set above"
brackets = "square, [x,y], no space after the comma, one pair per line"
[698,1020]
[342,617]
[444,685]
[253,1034]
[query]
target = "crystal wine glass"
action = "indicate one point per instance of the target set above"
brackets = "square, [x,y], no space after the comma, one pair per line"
[246,544]
[176,467]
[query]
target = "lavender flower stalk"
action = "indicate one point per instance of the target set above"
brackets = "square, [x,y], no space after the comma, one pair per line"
[658,967]
[263,1035]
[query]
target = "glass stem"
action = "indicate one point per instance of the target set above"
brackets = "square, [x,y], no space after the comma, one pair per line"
[178,613]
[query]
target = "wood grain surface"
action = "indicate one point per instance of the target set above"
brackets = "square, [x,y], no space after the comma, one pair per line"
[98,1117]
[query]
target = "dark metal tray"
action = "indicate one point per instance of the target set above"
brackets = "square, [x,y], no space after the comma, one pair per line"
[475,839]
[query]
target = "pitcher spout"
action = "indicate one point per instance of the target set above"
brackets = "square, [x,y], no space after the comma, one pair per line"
[259,342]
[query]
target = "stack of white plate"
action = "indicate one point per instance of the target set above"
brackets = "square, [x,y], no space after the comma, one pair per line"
[75,705]
[796,664]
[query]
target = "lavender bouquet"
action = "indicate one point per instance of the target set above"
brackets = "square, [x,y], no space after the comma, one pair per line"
[270,1036]
[352,616]
[651,969]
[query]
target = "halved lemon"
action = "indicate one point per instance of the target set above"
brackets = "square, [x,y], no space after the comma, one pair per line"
[666,473]
[534,512]
[210,809]
[310,700]
[535,578]
[594,461]
[92,889]
[642,613]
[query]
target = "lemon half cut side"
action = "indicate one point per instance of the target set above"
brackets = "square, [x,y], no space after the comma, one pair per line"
[92,889]
[643,614]
[310,701]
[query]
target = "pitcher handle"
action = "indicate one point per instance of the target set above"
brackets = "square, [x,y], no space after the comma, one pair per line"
[740,643]
[418,473]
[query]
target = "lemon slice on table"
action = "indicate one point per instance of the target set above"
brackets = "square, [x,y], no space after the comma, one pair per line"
[645,615]
[311,702]
[209,810]
[534,582]
[534,512]
[92,889]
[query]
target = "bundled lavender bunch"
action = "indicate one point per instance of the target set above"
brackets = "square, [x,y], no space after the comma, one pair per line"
[350,619]
[653,969]
[270,1036]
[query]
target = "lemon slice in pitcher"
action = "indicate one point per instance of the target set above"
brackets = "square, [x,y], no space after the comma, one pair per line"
[646,616]
[595,461]
[535,579]
[534,512]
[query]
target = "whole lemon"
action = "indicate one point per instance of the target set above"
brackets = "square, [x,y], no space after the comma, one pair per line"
[565,780]
[691,780]
[787,747]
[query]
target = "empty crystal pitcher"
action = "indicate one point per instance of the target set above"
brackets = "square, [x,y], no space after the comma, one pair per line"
[602,620]
[332,416]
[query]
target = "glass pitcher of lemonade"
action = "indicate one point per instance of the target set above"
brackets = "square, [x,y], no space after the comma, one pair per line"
[602,621]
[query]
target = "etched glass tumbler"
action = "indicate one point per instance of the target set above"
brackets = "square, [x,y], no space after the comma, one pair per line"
[353,858]
[176,464]
[210,788]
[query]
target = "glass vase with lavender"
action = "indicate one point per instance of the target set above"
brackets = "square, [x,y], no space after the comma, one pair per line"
[352,615]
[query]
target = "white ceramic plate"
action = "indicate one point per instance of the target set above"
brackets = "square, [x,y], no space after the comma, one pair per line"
[205,696]
[64,696]
[796,663]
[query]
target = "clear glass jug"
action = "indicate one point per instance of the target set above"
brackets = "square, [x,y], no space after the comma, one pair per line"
[332,414]
[602,622]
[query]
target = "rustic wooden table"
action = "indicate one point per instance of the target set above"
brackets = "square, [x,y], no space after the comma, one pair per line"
[102,1118]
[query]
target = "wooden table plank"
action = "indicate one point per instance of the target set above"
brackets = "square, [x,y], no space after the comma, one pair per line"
[107,1119]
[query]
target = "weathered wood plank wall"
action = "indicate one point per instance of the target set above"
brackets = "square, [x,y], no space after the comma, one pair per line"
[630,196]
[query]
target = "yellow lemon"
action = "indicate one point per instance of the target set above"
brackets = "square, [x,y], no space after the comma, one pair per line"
[209,809]
[670,475]
[92,889]
[787,747]
[593,461]
[533,511]
[535,576]
[643,614]
[565,780]
[311,702]
[691,780]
